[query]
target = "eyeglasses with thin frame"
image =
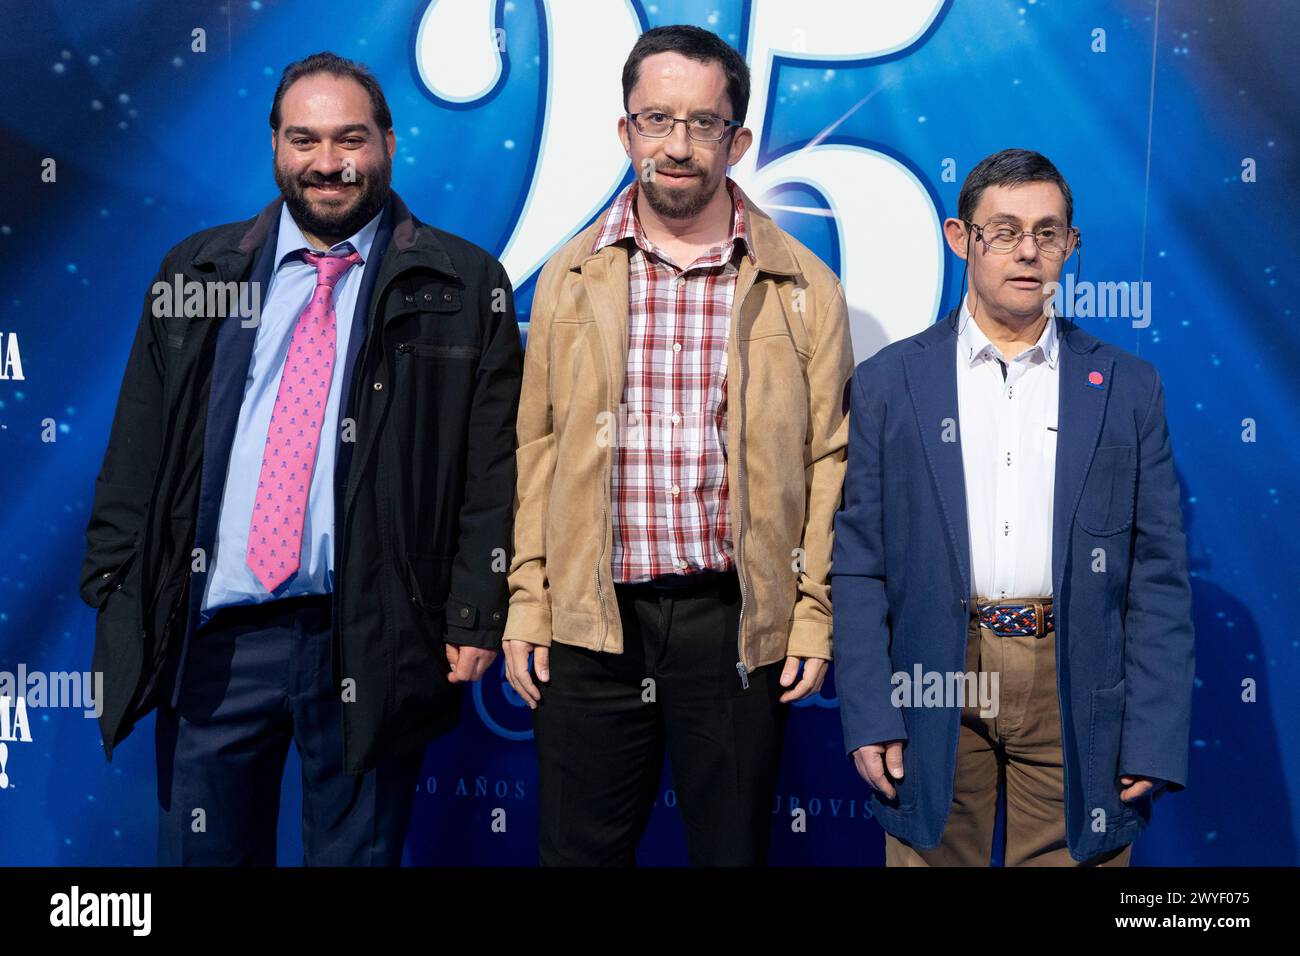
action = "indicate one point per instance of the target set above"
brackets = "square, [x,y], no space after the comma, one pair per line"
[1052,241]
[703,127]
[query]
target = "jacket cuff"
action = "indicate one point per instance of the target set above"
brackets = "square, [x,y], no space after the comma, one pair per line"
[809,639]
[528,623]
[473,626]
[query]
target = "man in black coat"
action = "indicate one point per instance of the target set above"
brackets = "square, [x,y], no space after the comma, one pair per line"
[301,527]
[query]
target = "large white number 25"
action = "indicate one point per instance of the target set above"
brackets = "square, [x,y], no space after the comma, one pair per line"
[891,250]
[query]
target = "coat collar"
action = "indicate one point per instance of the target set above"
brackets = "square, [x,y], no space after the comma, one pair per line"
[605,275]
[230,250]
[766,240]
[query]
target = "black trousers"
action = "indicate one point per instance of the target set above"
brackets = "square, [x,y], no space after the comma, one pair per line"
[605,719]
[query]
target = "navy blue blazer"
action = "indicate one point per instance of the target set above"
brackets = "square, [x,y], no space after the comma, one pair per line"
[901,578]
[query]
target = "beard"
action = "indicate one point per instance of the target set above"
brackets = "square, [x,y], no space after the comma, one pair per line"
[679,203]
[336,217]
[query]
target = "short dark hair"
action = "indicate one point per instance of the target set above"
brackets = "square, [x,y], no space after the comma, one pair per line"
[696,44]
[1011,167]
[334,65]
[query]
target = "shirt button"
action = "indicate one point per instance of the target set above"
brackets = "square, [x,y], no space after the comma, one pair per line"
[677,346]
[677,419]
[681,565]
[464,612]
[379,386]
[676,490]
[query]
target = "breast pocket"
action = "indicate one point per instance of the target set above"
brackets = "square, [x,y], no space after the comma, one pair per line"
[428,578]
[427,426]
[436,352]
[1106,507]
[433,382]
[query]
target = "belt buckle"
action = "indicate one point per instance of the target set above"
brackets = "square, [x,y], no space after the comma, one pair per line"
[1041,614]
[1040,617]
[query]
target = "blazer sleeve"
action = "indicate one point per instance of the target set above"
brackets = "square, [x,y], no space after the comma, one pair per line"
[476,604]
[861,605]
[1159,647]
[529,619]
[124,484]
[829,371]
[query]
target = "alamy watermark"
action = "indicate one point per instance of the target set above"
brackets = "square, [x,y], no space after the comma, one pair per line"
[54,689]
[1102,300]
[923,688]
[193,299]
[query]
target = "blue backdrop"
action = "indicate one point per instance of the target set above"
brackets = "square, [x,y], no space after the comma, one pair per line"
[1174,125]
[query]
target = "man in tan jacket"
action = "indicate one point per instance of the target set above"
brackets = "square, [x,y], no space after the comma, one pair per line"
[682,435]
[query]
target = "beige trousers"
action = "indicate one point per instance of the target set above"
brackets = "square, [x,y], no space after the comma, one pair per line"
[1019,749]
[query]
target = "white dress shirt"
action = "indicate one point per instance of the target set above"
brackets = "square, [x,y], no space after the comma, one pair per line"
[1008,449]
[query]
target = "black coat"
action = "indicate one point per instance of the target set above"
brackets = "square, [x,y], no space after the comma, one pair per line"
[423,499]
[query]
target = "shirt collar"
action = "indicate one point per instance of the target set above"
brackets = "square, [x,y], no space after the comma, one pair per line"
[290,240]
[622,222]
[974,345]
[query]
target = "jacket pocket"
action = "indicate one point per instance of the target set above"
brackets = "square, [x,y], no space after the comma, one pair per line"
[428,580]
[436,352]
[1104,730]
[1106,506]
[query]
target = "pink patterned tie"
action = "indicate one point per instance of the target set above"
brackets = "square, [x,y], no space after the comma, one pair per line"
[294,433]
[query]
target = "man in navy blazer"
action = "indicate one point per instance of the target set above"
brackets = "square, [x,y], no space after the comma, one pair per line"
[1011,597]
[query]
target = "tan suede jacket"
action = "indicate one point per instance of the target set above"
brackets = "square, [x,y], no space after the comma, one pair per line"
[789,359]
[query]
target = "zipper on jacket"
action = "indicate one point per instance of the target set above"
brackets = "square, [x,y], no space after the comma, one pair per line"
[740,492]
[604,527]
[600,596]
[340,534]
[606,504]
[451,351]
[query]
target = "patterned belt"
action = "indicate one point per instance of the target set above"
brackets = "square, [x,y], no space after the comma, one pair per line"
[1024,617]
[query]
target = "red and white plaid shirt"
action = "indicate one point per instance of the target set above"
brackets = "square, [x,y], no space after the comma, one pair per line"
[669,481]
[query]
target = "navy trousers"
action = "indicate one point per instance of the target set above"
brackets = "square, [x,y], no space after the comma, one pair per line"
[256,677]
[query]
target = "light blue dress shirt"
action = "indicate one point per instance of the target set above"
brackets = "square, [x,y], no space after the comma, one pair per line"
[230,580]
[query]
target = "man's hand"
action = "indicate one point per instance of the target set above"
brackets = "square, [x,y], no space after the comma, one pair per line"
[517,669]
[879,764]
[1135,787]
[814,672]
[468,663]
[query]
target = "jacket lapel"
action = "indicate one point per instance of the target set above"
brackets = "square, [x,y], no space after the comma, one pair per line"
[1080,414]
[932,383]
